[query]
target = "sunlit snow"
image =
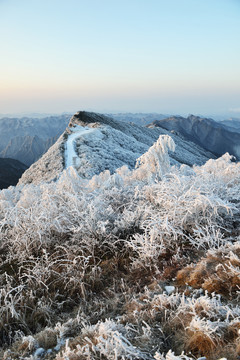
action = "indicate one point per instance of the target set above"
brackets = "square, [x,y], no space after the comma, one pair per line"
[70,152]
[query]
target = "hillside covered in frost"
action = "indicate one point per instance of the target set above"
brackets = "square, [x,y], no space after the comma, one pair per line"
[140,263]
[106,144]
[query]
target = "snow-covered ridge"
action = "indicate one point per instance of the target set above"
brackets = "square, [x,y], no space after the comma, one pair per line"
[110,267]
[108,144]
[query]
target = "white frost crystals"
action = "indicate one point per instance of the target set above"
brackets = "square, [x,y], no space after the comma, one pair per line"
[152,165]
[128,256]
[155,162]
[108,144]
[108,340]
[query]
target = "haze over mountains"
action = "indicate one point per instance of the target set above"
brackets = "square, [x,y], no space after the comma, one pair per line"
[138,118]
[218,138]
[232,123]
[26,139]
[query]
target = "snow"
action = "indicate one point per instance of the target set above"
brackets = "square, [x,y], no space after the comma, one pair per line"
[56,233]
[70,152]
[108,146]
[39,352]
[170,289]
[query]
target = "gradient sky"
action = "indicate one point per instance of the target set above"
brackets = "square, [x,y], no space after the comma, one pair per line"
[166,56]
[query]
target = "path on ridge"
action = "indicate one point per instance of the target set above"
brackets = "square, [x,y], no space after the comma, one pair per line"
[70,152]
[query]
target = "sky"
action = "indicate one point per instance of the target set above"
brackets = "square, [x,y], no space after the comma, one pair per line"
[173,57]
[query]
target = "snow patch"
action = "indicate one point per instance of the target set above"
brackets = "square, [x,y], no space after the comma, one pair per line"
[170,289]
[70,152]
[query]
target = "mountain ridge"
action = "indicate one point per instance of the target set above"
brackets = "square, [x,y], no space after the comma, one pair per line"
[209,134]
[26,139]
[113,144]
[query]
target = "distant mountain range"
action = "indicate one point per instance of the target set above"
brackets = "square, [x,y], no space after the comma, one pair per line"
[27,148]
[217,137]
[10,171]
[27,139]
[233,124]
[138,118]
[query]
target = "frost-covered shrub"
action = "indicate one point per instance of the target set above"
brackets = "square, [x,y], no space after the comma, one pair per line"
[218,272]
[107,339]
[198,323]
[108,247]
[155,162]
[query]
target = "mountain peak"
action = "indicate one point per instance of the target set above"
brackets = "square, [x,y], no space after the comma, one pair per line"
[94,142]
[92,119]
[207,133]
[84,118]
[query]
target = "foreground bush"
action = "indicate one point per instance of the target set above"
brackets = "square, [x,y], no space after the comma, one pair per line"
[122,266]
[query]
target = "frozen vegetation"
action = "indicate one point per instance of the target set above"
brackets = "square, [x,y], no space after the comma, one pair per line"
[140,263]
[100,142]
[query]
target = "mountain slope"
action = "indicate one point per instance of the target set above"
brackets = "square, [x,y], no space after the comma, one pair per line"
[109,145]
[10,171]
[43,128]
[137,118]
[207,133]
[27,149]
[26,139]
[233,124]
[141,264]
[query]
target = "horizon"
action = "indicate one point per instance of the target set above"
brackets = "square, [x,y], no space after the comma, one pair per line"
[39,115]
[174,58]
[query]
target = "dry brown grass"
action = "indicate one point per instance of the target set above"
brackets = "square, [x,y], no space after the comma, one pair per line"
[238,348]
[217,274]
[72,357]
[47,339]
[199,344]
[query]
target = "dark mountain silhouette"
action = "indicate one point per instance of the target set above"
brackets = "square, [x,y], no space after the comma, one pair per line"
[10,171]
